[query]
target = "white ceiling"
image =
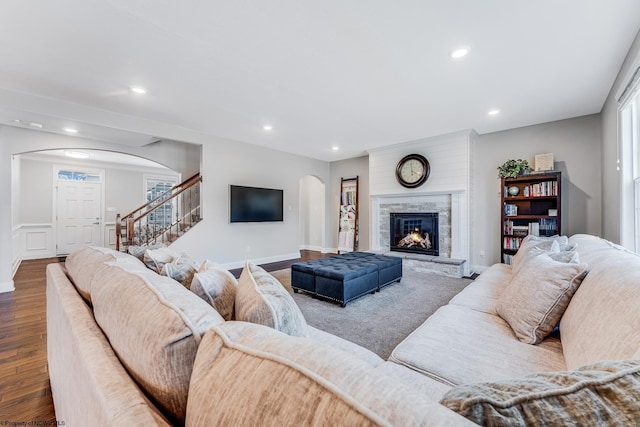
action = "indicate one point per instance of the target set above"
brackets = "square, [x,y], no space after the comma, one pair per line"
[357,74]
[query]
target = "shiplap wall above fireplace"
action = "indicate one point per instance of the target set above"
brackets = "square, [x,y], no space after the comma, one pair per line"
[450,159]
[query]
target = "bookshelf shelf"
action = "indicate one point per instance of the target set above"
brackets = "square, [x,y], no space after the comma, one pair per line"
[534,209]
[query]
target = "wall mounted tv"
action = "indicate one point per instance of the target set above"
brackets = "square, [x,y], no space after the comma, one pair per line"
[251,204]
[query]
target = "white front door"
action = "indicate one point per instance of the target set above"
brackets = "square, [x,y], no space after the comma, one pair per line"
[79,220]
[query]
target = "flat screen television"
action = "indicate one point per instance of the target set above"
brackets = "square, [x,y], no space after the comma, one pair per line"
[252,204]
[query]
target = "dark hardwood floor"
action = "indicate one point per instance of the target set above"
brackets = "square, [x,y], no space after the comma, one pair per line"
[25,393]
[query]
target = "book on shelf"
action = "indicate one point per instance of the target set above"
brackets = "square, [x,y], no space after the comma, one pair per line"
[507,259]
[510,209]
[512,243]
[541,189]
[520,230]
[548,226]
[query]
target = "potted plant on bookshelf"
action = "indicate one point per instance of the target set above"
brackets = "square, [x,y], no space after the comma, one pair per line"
[513,168]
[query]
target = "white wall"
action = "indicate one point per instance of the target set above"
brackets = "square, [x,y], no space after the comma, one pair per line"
[576,147]
[229,162]
[312,213]
[610,176]
[349,168]
[451,173]
[34,221]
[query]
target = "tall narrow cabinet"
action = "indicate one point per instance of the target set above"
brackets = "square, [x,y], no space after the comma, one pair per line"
[348,216]
[530,205]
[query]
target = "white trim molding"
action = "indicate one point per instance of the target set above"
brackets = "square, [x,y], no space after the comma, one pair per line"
[36,241]
[7,287]
[259,261]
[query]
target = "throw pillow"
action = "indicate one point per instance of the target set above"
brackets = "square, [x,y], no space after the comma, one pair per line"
[185,258]
[530,242]
[217,287]
[182,273]
[262,299]
[207,264]
[565,256]
[138,251]
[155,259]
[605,393]
[538,294]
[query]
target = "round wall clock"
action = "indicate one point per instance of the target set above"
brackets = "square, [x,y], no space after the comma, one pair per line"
[413,170]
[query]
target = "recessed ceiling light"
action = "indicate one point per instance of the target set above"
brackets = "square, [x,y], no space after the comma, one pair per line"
[335,148]
[267,127]
[138,89]
[76,154]
[70,130]
[459,52]
[493,112]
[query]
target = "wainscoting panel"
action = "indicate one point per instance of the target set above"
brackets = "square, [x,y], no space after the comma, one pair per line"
[36,241]
[110,235]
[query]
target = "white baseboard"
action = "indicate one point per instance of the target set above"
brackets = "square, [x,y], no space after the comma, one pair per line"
[7,287]
[266,260]
[479,269]
[311,248]
[15,266]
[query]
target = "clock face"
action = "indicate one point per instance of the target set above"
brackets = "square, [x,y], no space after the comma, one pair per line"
[413,170]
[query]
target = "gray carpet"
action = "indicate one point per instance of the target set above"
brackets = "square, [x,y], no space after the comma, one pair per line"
[380,321]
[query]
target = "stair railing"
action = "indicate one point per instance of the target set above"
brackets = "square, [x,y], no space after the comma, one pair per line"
[163,219]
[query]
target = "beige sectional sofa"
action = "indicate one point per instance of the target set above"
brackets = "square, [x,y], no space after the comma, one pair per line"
[127,346]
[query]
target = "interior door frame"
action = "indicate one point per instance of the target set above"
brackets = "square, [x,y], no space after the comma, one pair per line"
[57,167]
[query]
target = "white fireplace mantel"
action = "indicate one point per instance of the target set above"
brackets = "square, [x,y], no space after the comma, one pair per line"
[450,179]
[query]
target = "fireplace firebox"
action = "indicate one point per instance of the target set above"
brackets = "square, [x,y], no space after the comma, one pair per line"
[414,232]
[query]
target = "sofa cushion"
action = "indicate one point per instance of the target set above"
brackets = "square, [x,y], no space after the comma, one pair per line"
[602,320]
[218,288]
[606,393]
[154,326]
[538,295]
[458,345]
[262,299]
[428,387]
[84,264]
[484,292]
[253,375]
[348,346]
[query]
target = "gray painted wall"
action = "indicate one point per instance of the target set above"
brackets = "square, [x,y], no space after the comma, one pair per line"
[576,146]
[228,162]
[349,168]
[610,175]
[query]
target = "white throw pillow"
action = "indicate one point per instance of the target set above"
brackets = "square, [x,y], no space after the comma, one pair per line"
[549,244]
[538,295]
[262,299]
[155,259]
[217,287]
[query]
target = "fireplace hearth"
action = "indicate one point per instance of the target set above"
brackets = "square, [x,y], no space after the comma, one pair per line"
[414,232]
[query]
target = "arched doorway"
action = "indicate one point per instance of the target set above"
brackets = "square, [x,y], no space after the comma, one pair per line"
[312,213]
[52,211]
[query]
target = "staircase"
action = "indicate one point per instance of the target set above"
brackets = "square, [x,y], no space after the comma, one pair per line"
[163,219]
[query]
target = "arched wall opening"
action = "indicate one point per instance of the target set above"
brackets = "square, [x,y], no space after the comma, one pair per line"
[312,213]
[49,220]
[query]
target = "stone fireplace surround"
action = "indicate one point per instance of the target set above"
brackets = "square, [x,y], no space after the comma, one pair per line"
[451,224]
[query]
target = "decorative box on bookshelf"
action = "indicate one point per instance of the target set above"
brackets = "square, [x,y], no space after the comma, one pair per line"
[531,205]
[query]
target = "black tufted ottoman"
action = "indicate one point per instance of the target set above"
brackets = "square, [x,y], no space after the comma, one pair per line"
[343,278]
